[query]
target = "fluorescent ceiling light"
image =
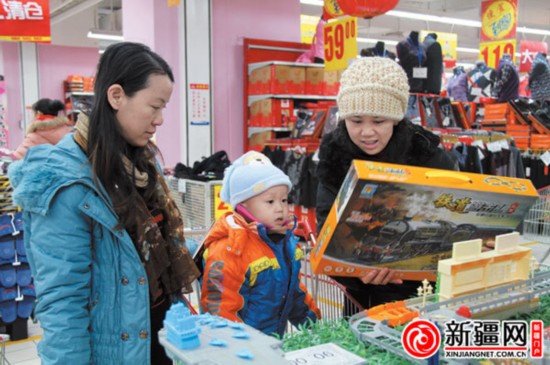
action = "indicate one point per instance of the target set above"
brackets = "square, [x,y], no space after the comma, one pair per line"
[70,9]
[467,50]
[105,35]
[532,31]
[434,18]
[372,40]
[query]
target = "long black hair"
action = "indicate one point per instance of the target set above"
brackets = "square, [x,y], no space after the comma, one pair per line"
[129,65]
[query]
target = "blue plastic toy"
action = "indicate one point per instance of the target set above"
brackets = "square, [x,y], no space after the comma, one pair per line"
[181,327]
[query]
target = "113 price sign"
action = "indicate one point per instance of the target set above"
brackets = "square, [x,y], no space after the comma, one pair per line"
[493,51]
[340,43]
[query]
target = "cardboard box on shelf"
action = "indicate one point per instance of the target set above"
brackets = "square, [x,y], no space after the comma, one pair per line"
[315,81]
[407,218]
[271,112]
[277,79]
[332,82]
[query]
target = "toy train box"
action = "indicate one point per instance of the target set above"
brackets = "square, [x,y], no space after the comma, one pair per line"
[407,218]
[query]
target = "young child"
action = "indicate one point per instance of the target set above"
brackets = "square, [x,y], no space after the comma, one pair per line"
[252,262]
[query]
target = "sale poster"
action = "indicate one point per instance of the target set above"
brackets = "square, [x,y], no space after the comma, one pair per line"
[340,43]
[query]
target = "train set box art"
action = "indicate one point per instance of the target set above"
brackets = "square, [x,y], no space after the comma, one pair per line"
[407,218]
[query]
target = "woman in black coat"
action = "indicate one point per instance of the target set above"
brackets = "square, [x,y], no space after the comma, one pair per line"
[372,102]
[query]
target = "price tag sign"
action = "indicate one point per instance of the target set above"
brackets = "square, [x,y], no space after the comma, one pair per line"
[326,354]
[340,43]
[220,208]
[420,72]
[493,51]
[182,186]
[545,158]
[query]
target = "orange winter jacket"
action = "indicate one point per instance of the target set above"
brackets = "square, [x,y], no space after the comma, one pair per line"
[249,278]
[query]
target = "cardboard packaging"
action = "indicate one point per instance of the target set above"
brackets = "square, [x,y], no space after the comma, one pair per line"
[277,79]
[271,112]
[315,81]
[332,82]
[407,218]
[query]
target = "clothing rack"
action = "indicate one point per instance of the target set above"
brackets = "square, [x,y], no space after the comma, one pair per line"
[301,145]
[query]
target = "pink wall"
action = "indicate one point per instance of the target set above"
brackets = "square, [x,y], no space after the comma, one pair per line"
[12,75]
[166,39]
[55,63]
[160,32]
[232,21]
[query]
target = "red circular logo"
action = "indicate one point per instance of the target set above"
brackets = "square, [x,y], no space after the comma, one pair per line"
[421,339]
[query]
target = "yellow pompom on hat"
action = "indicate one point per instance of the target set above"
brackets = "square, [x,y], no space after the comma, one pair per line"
[373,86]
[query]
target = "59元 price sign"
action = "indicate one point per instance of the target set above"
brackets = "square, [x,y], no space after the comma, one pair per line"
[340,43]
[493,51]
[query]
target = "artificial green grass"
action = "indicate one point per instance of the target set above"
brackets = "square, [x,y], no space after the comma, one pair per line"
[341,334]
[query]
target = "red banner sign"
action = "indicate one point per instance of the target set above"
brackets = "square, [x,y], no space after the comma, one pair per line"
[498,20]
[25,21]
[529,50]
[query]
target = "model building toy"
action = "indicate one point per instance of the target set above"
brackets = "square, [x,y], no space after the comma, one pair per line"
[473,285]
[407,218]
[206,339]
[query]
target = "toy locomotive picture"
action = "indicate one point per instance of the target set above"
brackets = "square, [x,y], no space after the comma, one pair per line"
[405,239]
[395,216]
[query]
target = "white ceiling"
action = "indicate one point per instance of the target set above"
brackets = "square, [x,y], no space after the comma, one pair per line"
[531,14]
[71,20]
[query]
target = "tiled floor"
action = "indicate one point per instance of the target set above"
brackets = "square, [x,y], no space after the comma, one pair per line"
[24,352]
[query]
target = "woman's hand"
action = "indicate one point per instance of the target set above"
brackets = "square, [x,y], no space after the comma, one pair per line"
[488,246]
[381,277]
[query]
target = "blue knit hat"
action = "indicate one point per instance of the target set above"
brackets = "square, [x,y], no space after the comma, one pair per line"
[250,175]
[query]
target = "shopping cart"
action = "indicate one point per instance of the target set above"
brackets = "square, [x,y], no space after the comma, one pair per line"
[330,296]
[536,225]
[196,235]
[3,339]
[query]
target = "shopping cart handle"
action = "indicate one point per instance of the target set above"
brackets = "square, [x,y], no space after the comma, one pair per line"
[303,229]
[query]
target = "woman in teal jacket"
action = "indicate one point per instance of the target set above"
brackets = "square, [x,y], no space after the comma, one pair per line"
[103,237]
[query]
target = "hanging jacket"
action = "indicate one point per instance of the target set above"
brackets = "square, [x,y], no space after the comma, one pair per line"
[245,277]
[318,45]
[41,131]
[507,83]
[411,56]
[481,77]
[539,78]
[317,49]
[373,52]
[458,87]
[434,63]
[92,289]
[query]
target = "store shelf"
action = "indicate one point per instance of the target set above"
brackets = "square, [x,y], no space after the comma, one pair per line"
[253,98]
[78,93]
[253,66]
[253,130]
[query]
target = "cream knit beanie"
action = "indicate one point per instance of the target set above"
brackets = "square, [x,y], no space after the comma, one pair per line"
[373,86]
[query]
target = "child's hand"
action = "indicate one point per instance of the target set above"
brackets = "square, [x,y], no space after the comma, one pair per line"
[381,277]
